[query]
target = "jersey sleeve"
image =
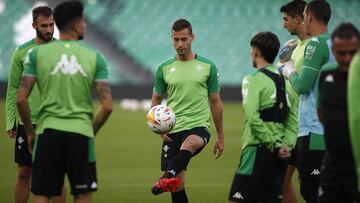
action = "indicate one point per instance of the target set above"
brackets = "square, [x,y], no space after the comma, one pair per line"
[159,84]
[30,63]
[314,57]
[15,73]
[101,68]
[213,80]
[251,103]
[354,110]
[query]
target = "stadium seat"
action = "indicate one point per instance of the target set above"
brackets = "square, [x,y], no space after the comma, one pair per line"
[142,28]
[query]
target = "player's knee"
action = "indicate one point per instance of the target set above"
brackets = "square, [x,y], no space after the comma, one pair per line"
[193,143]
[24,173]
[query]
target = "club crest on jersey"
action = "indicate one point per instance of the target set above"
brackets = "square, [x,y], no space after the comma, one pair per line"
[68,66]
[199,67]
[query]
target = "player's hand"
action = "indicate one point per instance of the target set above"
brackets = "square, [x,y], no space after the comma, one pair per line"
[219,148]
[165,138]
[287,68]
[284,153]
[11,133]
[30,140]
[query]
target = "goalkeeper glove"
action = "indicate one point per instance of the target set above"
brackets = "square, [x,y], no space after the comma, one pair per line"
[287,68]
[287,50]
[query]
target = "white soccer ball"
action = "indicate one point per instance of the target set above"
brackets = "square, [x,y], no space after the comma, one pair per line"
[161,119]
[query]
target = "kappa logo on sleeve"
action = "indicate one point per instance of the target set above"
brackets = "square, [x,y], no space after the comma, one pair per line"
[309,52]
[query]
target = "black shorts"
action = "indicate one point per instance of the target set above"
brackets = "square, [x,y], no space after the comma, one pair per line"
[58,152]
[310,153]
[171,149]
[259,177]
[22,154]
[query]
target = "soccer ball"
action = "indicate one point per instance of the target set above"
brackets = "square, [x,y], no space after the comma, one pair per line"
[161,119]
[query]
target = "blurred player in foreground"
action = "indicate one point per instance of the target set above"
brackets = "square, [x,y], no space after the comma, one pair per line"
[354,111]
[338,176]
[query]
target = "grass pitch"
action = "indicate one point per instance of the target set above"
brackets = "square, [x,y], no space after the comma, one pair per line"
[128,161]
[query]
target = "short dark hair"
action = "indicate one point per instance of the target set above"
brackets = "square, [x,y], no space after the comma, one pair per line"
[65,13]
[294,8]
[320,9]
[41,11]
[268,44]
[345,31]
[181,24]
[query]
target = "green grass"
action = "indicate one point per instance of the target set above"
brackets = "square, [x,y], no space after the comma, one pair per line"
[128,161]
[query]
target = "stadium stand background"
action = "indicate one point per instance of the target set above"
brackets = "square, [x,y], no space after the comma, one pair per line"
[135,35]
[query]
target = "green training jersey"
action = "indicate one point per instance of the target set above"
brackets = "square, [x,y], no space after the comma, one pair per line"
[259,93]
[298,57]
[65,79]
[317,53]
[298,54]
[354,110]
[188,85]
[16,70]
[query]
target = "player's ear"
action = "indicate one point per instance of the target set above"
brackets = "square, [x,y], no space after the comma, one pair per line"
[77,25]
[299,19]
[254,51]
[192,36]
[34,25]
[310,18]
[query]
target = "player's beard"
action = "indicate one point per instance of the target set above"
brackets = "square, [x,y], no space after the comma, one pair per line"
[254,63]
[181,52]
[46,38]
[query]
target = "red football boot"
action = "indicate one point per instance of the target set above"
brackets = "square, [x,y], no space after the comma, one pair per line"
[165,185]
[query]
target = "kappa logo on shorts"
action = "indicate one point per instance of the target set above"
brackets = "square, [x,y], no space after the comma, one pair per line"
[238,195]
[315,172]
[68,66]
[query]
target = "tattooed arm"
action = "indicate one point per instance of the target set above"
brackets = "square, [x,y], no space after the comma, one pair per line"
[26,85]
[104,92]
